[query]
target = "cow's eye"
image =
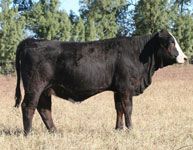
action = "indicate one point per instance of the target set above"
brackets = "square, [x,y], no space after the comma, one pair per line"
[173,42]
[166,45]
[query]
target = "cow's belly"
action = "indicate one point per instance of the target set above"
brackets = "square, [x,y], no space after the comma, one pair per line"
[73,94]
[83,80]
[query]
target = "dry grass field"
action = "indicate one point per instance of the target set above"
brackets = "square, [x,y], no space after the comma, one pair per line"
[162,118]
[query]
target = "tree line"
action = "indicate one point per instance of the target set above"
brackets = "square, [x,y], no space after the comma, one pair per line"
[97,19]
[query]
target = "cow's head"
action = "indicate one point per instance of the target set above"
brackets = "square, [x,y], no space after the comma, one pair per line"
[169,51]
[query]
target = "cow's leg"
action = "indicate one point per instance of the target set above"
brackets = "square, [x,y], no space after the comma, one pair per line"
[123,105]
[127,107]
[29,105]
[119,110]
[44,109]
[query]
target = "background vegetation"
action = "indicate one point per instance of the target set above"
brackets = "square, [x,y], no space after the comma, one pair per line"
[97,19]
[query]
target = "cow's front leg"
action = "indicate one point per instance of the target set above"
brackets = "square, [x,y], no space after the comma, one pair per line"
[127,107]
[123,105]
[119,110]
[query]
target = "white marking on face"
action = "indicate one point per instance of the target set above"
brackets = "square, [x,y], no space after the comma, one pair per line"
[181,56]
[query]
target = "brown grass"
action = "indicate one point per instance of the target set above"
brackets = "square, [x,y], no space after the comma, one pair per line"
[162,118]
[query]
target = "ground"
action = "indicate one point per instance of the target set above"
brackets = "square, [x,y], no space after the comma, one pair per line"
[162,118]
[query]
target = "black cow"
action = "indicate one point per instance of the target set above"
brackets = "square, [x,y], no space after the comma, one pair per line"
[78,71]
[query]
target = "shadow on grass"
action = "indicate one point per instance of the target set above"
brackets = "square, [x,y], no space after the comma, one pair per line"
[10,132]
[6,131]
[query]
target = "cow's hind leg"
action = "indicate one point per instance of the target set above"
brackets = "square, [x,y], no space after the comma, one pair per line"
[123,105]
[44,109]
[29,105]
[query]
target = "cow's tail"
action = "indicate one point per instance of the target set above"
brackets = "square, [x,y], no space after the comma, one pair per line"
[17,89]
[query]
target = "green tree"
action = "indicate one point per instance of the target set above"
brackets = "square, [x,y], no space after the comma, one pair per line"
[183,30]
[90,34]
[102,14]
[78,31]
[124,17]
[23,4]
[182,5]
[11,33]
[73,17]
[65,27]
[46,21]
[151,16]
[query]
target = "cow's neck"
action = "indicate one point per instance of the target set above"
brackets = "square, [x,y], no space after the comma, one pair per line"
[149,69]
[149,65]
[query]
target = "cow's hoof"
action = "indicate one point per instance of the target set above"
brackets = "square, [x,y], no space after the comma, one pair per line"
[119,128]
[52,130]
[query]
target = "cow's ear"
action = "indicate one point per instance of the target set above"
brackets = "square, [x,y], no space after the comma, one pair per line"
[163,33]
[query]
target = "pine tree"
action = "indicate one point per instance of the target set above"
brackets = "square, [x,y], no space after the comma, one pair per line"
[12,32]
[103,15]
[23,4]
[73,17]
[183,30]
[181,4]
[151,16]
[90,34]
[124,17]
[65,27]
[78,30]
[46,21]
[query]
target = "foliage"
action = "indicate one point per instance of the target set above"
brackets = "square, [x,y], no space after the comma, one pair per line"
[103,16]
[46,21]
[91,34]
[151,16]
[23,4]
[78,30]
[182,5]
[183,30]
[11,32]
